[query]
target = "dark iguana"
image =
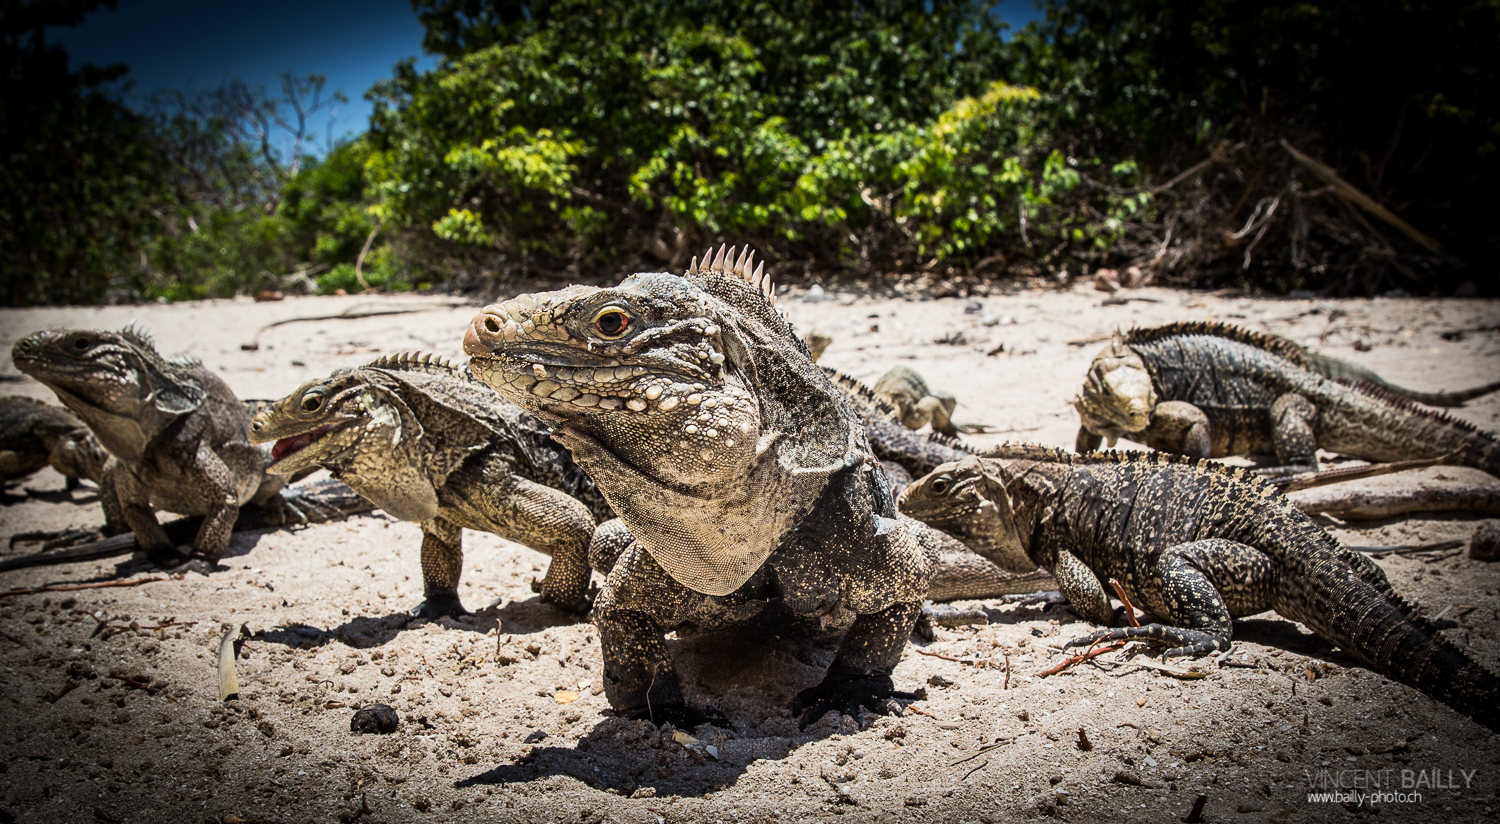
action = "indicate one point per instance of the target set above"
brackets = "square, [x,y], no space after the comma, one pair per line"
[177,437]
[34,434]
[740,470]
[903,388]
[425,442]
[1196,544]
[1211,390]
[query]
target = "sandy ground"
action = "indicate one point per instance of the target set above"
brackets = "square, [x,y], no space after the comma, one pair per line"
[106,717]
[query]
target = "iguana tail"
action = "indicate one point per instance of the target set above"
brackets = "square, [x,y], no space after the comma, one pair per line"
[1351,373]
[1346,598]
[1399,428]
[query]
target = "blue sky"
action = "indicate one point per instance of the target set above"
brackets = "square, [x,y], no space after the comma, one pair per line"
[182,44]
[185,44]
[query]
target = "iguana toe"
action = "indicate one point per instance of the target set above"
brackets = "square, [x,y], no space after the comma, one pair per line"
[848,694]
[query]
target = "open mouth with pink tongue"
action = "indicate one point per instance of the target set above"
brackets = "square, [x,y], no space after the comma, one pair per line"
[296,443]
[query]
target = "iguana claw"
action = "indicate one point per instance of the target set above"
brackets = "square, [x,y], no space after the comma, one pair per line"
[848,693]
[439,604]
[682,717]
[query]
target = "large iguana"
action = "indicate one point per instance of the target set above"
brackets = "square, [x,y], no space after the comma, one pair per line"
[177,437]
[740,470]
[35,434]
[1195,544]
[421,439]
[1211,390]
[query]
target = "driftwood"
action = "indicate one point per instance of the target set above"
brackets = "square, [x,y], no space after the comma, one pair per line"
[1360,199]
[1371,504]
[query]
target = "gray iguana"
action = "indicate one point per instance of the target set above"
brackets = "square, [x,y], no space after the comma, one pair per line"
[34,434]
[421,439]
[1196,544]
[740,470]
[1211,390]
[177,437]
[918,405]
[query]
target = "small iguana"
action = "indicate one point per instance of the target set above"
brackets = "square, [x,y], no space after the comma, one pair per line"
[741,471]
[1196,544]
[421,439]
[177,437]
[1210,390]
[34,434]
[903,388]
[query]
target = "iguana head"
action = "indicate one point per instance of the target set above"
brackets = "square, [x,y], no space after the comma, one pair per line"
[1117,397]
[358,424]
[644,368]
[967,499]
[115,381]
[689,402]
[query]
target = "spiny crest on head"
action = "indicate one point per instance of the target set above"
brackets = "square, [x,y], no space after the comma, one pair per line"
[138,336]
[1411,407]
[1271,343]
[726,262]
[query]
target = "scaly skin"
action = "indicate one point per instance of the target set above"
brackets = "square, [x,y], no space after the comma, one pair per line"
[1349,373]
[34,434]
[1211,390]
[739,469]
[422,440]
[917,405]
[178,438]
[1195,544]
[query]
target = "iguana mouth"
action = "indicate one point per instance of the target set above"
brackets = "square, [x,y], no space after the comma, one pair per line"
[296,443]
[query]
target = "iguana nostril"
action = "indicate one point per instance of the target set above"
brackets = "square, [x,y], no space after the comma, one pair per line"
[492,326]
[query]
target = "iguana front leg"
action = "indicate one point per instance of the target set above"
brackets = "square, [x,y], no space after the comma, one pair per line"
[1087,441]
[554,523]
[1082,588]
[1180,427]
[639,679]
[860,676]
[1292,419]
[1193,576]
[442,565]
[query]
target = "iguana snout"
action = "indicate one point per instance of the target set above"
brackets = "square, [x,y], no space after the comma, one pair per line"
[1117,396]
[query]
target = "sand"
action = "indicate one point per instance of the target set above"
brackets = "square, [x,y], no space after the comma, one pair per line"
[110,696]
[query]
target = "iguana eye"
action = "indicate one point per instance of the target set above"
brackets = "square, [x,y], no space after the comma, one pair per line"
[82,343]
[940,486]
[311,403]
[611,323]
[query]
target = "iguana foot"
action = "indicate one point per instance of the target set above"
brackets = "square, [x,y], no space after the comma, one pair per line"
[1187,641]
[848,693]
[579,604]
[682,717]
[439,604]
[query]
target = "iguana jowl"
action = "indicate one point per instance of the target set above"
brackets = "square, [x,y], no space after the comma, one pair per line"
[178,438]
[421,439]
[1196,544]
[736,465]
[1211,390]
